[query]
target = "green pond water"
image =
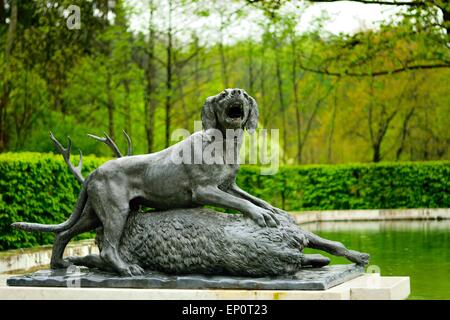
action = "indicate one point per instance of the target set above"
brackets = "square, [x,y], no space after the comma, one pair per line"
[418,249]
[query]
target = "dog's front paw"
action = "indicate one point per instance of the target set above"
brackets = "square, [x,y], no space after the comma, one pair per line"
[264,217]
[271,208]
[277,210]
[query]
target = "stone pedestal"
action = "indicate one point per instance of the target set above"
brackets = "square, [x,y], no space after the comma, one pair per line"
[305,279]
[364,287]
[337,282]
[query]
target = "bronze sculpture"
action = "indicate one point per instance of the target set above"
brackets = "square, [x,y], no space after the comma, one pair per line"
[181,237]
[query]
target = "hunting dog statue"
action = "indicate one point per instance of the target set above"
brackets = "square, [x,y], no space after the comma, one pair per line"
[163,182]
[154,180]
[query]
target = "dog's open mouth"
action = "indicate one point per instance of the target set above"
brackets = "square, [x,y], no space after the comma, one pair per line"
[236,110]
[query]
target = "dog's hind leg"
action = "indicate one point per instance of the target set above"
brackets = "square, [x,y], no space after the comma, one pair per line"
[113,214]
[335,248]
[88,221]
[112,233]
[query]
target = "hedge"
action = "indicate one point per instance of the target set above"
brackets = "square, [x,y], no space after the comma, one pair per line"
[39,188]
[353,186]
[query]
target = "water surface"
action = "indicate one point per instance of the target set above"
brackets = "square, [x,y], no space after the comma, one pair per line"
[418,249]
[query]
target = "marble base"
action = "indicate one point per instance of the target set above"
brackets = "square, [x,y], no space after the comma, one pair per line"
[365,287]
[306,279]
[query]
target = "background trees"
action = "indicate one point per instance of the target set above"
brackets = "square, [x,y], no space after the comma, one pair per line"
[146,67]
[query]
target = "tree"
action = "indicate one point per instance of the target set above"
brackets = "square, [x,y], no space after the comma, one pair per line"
[7,75]
[376,95]
[415,7]
[420,22]
[433,6]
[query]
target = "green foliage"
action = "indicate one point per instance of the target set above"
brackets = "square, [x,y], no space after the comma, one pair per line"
[376,94]
[352,186]
[37,187]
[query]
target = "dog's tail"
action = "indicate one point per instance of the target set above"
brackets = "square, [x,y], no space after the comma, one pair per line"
[27,226]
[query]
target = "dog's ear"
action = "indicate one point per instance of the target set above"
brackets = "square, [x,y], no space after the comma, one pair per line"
[252,120]
[208,114]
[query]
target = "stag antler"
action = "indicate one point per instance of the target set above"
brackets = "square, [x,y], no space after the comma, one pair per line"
[130,146]
[110,143]
[66,155]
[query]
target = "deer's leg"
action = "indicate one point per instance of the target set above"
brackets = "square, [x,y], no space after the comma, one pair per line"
[336,248]
[211,195]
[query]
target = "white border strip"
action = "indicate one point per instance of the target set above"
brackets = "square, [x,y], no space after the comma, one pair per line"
[302,217]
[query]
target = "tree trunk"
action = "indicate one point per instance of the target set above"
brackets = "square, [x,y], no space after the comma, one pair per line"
[404,133]
[12,28]
[126,85]
[24,113]
[178,84]
[183,103]
[110,106]
[223,63]
[331,136]
[150,107]
[282,105]
[383,126]
[262,86]
[169,71]
[150,87]
[376,152]
[197,72]
[3,113]
[223,60]
[308,125]
[296,100]
[251,75]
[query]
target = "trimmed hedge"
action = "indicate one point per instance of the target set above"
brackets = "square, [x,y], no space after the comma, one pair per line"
[38,187]
[353,186]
